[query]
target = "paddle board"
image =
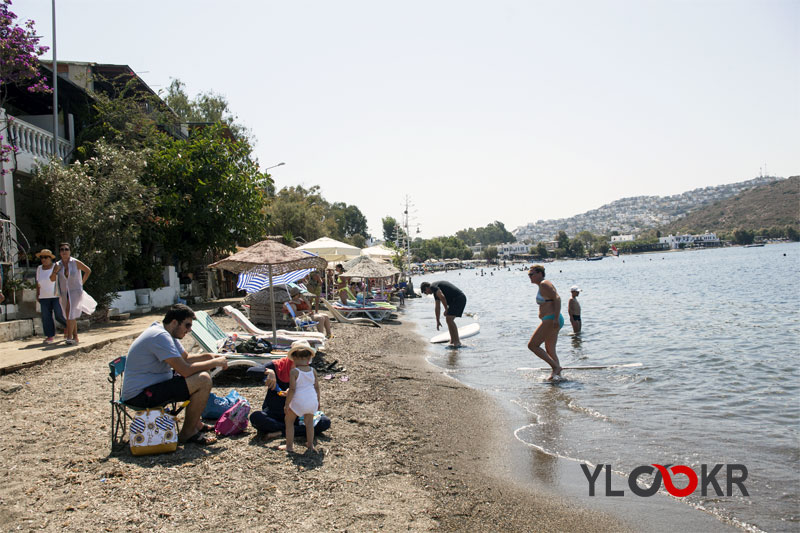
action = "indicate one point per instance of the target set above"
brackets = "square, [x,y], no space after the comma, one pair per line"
[463,332]
[595,367]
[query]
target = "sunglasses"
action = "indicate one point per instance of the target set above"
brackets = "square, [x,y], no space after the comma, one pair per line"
[63,249]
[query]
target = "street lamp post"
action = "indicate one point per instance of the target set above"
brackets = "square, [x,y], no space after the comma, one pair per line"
[55,85]
[273,166]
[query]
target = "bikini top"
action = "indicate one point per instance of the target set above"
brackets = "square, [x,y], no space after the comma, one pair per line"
[540,299]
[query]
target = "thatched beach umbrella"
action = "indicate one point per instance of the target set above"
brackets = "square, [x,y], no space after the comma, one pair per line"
[364,267]
[271,258]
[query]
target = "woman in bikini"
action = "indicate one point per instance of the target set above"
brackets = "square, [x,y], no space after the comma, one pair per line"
[552,321]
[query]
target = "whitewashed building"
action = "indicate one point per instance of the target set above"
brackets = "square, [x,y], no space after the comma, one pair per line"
[680,241]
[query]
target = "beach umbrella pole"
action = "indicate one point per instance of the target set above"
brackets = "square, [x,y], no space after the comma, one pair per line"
[272,306]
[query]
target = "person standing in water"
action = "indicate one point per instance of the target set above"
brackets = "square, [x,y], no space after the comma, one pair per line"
[448,295]
[574,309]
[552,321]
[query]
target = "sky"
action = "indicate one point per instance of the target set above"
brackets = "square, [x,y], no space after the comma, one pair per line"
[473,111]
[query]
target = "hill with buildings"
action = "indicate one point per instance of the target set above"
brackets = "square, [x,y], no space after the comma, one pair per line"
[639,213]
[775,204]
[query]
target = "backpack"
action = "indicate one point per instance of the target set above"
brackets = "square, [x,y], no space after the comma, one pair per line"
[234,420]
[217,405]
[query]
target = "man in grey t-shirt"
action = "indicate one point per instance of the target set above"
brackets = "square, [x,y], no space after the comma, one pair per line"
[158,370]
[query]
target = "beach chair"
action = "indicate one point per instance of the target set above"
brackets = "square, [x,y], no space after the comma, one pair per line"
[353,311]
[300,322]
[345,320]
[358,301]
[211,339]
[282,334]
[120,415]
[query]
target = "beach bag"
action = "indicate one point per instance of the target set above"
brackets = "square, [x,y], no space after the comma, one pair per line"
[217,405]
[253,345]
[153,431]
[234,420]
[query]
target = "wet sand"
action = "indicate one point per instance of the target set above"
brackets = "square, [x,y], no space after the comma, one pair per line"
[409,450]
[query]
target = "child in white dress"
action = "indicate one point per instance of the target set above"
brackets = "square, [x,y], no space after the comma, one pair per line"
[303,396]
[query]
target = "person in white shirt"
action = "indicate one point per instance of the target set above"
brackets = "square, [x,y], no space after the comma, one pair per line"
[47,295]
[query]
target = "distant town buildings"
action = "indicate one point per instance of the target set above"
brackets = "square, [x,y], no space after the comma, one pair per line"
[636,214]
[622,238]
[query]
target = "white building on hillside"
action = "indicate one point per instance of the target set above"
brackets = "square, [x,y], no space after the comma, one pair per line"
[622,238]
[510,249]
[680,241]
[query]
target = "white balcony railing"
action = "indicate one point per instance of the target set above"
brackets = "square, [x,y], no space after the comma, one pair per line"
[35,140]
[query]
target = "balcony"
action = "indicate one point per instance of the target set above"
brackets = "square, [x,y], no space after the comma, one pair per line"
[34,144]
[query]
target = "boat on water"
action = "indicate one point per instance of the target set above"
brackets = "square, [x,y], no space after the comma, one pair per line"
[595,258]
[754,245]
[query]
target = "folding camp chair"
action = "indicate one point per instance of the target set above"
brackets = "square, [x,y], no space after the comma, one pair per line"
[119,409]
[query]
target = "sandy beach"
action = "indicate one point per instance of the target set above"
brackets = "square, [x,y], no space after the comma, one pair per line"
[408,450]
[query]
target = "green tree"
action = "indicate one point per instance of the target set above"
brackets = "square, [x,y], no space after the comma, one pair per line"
[302,212]
[210,193]
[391,229]
[792,234]
[207,107]
[490,253]
[541,251]
[601,244]
[576,248]
[350,221]
[358,240]
[101,205]
[128,118]
[494,233]
[742,236]
[563,240]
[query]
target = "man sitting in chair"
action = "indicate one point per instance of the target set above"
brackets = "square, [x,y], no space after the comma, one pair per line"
[159,371]
[300,305]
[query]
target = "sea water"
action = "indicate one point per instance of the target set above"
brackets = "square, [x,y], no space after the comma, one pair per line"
[717,332]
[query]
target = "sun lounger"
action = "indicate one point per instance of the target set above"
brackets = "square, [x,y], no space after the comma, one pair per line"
[282,334]
[211,339]
[370,311]
[346,320]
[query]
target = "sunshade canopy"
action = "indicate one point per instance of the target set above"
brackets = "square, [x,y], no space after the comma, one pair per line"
[367,268]
[265,254]
[331,249]
[379,252]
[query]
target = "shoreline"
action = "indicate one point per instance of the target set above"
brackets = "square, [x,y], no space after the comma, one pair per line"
[409,449]
[536,474]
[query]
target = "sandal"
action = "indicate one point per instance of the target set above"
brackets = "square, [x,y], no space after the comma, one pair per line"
[201,439]
[206,428]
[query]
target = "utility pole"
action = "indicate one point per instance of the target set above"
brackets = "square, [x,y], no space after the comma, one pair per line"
[406,225]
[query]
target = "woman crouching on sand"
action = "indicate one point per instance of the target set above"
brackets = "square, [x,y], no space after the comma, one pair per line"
[552,321]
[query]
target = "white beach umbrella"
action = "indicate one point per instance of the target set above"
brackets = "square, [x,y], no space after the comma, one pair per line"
[331,249]
[379,253]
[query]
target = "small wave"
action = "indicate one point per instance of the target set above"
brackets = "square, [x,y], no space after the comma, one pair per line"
[528,410]
[542,448]
[587,410]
